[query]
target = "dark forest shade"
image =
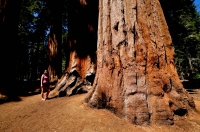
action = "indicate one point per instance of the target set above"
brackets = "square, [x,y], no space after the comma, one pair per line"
[9,18]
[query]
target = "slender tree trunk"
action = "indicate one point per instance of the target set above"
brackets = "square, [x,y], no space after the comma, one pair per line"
[136,76]
[82,40]
[54,41]
[55,63]
[33,73]
[9,18]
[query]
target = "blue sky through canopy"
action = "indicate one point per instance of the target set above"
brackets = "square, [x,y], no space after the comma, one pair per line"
[197,3]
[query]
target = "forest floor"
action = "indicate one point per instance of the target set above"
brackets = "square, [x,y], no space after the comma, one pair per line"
[71,114]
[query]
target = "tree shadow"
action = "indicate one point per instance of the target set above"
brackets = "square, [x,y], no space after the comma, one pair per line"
[192,85]
[22,88]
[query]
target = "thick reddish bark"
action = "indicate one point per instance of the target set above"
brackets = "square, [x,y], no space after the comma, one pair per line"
[54,41]
[136,77]
[82,40]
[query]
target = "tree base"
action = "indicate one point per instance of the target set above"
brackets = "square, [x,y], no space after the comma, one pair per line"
[71,83]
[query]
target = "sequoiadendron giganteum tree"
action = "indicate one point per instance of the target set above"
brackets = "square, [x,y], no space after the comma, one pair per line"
[136,77]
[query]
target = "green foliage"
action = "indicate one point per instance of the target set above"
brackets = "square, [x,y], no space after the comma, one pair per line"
[197,76]
[35,18]
[184,22]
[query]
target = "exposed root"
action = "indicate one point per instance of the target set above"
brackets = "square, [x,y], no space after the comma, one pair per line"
[71,83]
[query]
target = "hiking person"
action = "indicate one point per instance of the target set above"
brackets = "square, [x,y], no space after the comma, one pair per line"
[45,85]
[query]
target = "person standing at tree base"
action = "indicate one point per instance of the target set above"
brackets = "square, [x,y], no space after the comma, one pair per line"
[45,85]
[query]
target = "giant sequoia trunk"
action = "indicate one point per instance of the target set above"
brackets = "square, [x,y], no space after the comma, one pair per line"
[9,18]
[136,77]
[54,41]
[82,40]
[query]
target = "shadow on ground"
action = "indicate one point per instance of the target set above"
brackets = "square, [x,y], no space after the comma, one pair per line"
[23,88]
[32,87]
[192,86]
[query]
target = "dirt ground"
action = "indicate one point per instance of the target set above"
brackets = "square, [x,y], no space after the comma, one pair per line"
[70,114]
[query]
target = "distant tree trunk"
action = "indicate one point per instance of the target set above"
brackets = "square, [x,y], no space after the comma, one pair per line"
[136,77]
[54,41]
[82,40]
[55,63]
[33,73]
[9,18]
